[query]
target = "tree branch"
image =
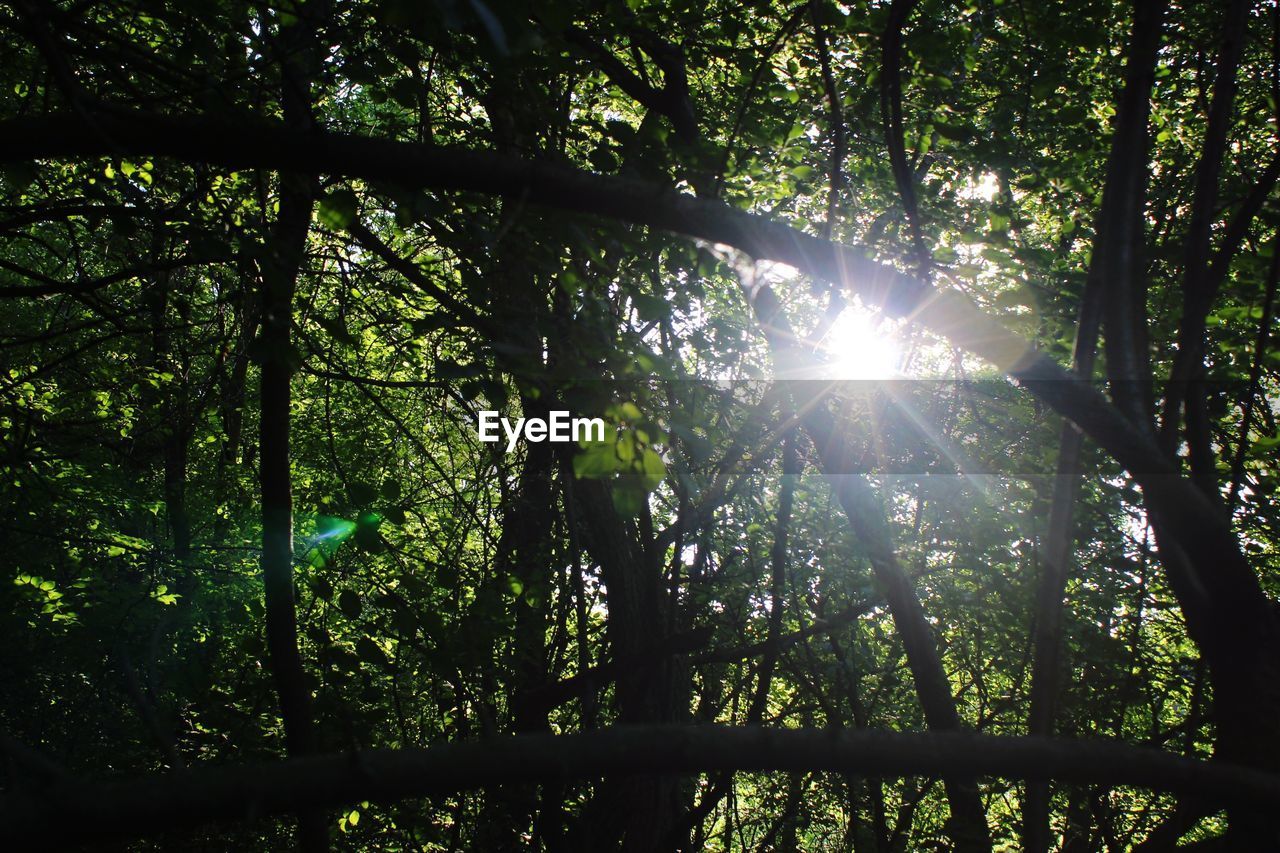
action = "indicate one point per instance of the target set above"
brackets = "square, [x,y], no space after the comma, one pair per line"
[50,286]
[64,812]
[835,121]
[1208,539]
[891,117]
[1255,376]
[1120,203]
[1197,284]
[1122,231]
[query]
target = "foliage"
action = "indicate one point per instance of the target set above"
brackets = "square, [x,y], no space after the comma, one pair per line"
[446,590]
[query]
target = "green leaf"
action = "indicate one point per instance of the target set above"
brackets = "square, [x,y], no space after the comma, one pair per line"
[322,588]
[370,652]
[338,209]
[596,462]
[954,132]
[336,329]
[404,620]
[367,531]
[629,412]
[349,603]
[653,468]
[650,308]
[361,494]
[629,496]
[453,370]
[1014,298]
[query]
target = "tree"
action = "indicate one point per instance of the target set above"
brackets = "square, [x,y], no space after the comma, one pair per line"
[264,265]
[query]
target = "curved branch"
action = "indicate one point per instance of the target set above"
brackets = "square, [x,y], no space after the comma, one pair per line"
[65,812]
[271,145]
[1206,533]
[1255,378]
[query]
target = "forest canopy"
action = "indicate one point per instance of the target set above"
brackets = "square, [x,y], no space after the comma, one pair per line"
[923,349]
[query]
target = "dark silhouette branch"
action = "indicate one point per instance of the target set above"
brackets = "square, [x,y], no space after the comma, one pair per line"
[671,100]
[967,827]
[791,467]
[50,286]
[286,252]
[269,145]
[414,274]
[1122,231]
[835,121]
[1198,287]
[891,118]
[1120,204]
[64,812]
[1206,536]
[1198,284]
[18,216]
[1195,314]
[765,62]
[1255,377]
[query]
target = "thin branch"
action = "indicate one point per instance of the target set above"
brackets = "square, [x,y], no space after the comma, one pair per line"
[891,116]
[1059,534]
[1197,286]
[968,827]
[835,122]
[49,286]
[35,764]
[1255,376]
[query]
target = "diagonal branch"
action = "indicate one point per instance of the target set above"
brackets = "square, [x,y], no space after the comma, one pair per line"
[49,286]
[835,121]
[270,145]
[1208,539]
[1260,351]
[967,828]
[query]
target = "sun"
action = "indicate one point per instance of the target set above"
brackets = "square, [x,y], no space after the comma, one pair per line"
[861,346]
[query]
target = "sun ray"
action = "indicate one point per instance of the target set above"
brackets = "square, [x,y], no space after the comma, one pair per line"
[860,346]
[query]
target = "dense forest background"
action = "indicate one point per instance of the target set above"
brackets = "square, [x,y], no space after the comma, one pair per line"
[937,504]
